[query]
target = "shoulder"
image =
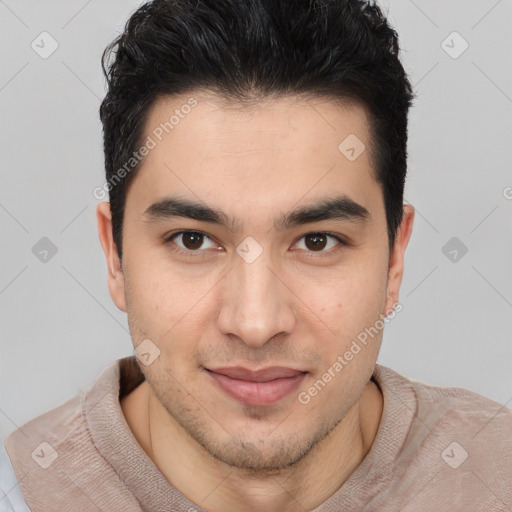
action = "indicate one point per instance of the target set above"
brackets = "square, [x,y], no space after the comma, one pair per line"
[62,429]
[449,407]
[37,448]
[457,449]
[474,432]
[38,440]
[458,408]
[54,455]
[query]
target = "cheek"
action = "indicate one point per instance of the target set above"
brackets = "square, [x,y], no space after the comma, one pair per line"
[149,291]
[347,300]
[163,300]
[157,309]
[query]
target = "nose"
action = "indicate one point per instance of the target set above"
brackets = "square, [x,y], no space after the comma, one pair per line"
[256,304]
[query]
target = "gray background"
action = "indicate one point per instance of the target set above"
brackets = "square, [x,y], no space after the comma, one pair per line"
[59,327]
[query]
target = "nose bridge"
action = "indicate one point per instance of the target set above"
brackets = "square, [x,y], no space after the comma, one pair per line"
[255,306]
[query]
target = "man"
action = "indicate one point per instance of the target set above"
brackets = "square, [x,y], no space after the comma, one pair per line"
[255,154]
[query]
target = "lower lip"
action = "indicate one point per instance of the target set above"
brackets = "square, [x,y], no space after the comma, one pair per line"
[257,393]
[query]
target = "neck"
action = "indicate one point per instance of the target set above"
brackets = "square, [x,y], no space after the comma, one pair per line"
[217,487]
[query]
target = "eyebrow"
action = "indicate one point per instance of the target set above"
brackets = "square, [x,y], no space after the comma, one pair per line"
[341,208]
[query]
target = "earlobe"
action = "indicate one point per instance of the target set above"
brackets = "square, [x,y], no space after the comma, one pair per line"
[396,260]
[116,283]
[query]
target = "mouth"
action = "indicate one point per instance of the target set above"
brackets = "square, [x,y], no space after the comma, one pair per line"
[257,388]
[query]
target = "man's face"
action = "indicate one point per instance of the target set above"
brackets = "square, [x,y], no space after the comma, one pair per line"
[259,292]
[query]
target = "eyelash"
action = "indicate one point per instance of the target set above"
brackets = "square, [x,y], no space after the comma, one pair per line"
[190,253]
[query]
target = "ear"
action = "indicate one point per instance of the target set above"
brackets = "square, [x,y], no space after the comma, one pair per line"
[396,259]
[116,283]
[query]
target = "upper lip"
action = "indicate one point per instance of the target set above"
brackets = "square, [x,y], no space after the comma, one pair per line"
[262,375]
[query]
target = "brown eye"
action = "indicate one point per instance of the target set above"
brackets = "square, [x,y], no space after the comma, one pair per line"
[315,241]
[192,240]
[321,242]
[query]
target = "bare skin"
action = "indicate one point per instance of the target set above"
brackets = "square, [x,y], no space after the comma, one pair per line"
[204,307]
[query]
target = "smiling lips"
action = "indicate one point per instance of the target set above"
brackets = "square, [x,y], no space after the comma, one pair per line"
[257,388]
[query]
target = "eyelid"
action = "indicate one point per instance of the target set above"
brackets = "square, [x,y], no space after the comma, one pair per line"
[342,241]
[168,237]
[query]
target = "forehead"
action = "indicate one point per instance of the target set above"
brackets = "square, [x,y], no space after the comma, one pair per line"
[298,123]
[273,151]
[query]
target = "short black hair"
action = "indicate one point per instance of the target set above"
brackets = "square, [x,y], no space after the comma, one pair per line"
[248,50]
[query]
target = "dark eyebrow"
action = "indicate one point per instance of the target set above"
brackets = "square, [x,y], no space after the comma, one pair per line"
[338,208]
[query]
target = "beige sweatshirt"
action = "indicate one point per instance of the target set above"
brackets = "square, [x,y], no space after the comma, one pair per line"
[437,449]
